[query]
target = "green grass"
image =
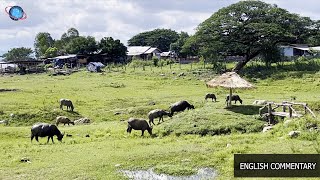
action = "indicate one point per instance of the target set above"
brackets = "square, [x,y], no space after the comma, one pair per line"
[182,144]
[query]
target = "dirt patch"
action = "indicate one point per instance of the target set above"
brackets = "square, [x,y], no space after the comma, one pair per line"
[203,173]
[8,90]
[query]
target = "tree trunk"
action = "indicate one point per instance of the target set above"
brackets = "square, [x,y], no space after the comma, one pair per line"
[240,65]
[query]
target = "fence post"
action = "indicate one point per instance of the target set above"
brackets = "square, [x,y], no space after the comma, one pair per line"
[269,113]
[290,111]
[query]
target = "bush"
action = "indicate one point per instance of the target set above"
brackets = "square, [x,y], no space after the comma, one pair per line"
[140,63]
[155,61]
[48,66]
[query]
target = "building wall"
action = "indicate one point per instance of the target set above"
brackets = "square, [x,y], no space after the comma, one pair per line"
[287,51]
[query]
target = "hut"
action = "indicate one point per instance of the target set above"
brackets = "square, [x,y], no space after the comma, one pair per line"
[95,66]
[229,80]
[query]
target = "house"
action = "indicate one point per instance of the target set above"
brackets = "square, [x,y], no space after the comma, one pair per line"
[295,50]
[168,55]
[142,52]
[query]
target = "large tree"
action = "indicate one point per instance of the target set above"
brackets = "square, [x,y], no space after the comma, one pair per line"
[42,42]
[70,34]
[190,47]
[51,52]
[246,28]
[160,38]
[314,38]
[177,46]
[82,45]
[114,49]
[18,54]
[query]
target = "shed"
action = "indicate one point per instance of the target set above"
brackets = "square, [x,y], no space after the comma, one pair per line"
[143,52]
[95,66]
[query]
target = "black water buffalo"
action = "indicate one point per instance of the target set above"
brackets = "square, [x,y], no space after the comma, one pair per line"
[180,106]
[139,124]
[43,130]
[234,98]
[157,113]
[212,96]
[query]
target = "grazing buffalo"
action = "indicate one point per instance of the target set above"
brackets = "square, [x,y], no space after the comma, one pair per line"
[157,113]
[212,96]
[180,106]
[234,98]
[43,130]
[139,124]
[66,102]
[63,119]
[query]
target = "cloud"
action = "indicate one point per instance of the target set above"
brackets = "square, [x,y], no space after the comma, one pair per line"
[120,19]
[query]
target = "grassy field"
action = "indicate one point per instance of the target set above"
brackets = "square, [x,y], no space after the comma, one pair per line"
[181,144]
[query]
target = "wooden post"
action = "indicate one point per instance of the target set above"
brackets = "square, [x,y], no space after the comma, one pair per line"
[269,113]
[305,109]
[290,111]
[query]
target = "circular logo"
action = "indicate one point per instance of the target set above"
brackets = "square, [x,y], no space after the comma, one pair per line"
[16,13]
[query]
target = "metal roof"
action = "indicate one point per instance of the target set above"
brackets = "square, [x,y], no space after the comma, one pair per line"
[165,53]
[137,50]
[151,50]
[302,48]
[316,48]
[64,57]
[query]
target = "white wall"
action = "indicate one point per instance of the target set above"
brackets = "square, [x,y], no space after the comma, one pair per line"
[287,51]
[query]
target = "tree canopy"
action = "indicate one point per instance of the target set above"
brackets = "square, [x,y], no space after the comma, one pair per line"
[114,49]
[82,45]
[160,38]
[177,46]
[18,54]
[51,52]
[246,28]
[43,41]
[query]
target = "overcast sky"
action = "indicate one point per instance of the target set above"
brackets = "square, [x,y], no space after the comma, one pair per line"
[120,19]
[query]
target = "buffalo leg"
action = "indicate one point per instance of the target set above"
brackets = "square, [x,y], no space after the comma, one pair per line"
[48,139]
[142,132]
[37,139]
[151,121]
[32,136]
[129,129]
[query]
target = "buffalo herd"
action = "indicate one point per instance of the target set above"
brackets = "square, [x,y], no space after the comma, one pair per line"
[50,130]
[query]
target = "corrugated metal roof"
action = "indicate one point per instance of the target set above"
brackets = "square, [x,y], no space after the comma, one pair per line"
[301,48]
[65,57]
[151,50]
[165,54]
[137,50]
[316,48]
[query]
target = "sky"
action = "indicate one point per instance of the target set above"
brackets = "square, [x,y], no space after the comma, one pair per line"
[120,19]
